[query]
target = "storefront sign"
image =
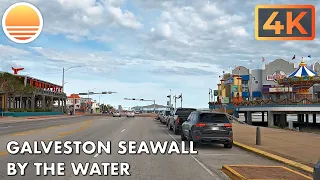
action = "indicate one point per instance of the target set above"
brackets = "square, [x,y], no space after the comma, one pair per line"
[280,89]
[276,75]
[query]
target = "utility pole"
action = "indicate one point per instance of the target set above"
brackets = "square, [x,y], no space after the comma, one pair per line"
[209,94]
[154,106]
[175,102]
[63,80]
[181,99]
[170,100]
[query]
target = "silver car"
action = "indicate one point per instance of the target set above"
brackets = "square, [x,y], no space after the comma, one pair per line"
[116,114]
[130,114]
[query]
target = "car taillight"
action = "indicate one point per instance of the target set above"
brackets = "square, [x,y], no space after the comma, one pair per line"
[200,125]
[177,120]
[228,125]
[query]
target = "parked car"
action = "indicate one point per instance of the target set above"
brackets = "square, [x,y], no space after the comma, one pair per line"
[130,114]
[163,118]
[116,114]
[179,115]
[208,127]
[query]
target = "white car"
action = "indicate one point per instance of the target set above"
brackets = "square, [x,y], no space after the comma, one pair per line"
[130,114]
[116,114]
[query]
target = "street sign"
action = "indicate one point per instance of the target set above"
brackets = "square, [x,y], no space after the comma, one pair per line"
[215,92]
[83,93]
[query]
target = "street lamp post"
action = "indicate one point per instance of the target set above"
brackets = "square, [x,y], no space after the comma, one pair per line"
[63,71]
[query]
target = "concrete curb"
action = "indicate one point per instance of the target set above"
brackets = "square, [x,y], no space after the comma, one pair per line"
[275,157]
[234,175]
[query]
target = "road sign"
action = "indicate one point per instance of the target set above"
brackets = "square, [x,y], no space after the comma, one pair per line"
[215,92]
[285,22]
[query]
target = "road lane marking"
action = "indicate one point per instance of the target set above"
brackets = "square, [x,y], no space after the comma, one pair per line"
[22,133]
[216,177]
[96,155]
[86,125]
[123,130]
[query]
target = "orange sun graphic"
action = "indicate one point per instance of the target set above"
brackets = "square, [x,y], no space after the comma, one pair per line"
[22,23]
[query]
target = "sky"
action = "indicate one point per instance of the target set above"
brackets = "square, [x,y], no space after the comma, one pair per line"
[143,48]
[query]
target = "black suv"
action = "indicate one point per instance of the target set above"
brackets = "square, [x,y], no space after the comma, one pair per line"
[178,117]
[208,127]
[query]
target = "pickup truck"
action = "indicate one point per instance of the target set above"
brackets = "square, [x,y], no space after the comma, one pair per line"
[178,117]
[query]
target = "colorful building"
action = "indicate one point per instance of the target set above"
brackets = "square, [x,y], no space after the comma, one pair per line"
[243,84]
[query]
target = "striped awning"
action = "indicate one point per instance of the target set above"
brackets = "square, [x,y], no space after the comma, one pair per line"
[303,71]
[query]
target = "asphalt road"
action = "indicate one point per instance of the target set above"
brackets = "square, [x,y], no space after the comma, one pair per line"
[206,165]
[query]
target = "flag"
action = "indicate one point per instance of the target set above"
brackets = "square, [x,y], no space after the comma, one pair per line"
[294,57]
[263,59]
[309,56]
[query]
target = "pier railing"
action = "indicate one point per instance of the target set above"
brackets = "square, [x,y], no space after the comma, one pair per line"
[275,102]
[279,102]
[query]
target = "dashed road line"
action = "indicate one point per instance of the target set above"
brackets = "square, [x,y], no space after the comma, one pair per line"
[216,177]
[123,130]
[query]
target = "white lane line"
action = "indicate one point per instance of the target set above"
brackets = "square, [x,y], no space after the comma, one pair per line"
[123,130]
[96,155]
[216,177]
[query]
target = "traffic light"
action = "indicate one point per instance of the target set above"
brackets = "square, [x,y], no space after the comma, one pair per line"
[141,99]
[104,92]
[133,98]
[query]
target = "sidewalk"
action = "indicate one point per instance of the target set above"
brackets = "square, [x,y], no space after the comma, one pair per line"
[296,146]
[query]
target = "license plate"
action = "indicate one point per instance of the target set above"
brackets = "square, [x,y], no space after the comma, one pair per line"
[215,128]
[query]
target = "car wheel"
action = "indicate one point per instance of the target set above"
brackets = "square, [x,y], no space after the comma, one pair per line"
[183,138]
[229,145]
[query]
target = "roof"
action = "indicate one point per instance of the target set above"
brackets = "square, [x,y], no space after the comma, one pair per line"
[76,96]
[302,71]
[36,79]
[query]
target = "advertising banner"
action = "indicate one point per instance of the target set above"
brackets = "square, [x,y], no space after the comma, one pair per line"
[280,89]
[234,88]
[225,100]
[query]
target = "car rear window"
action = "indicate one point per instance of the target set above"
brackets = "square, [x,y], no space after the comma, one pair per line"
[214,118]
[184,112]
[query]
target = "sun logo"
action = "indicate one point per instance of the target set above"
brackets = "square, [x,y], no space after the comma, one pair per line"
[22,23]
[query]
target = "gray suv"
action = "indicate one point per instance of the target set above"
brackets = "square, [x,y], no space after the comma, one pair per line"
[208,127]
